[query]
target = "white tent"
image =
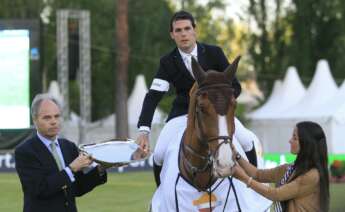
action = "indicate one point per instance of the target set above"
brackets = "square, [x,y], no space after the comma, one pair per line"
[289,92]
[321,89]
[331,116]
[322,103]
[271,103]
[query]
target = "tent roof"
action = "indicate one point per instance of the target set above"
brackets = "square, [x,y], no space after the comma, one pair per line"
[272,100]
[333,108]
[290,92]
[321,90]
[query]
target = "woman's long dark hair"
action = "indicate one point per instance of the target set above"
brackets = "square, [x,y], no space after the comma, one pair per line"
[313,154]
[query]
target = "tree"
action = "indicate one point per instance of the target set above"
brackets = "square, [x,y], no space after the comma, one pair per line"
[298,35]
[122,60]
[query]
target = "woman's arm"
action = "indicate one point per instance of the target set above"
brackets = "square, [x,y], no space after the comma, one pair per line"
[262,175]
[302,185]
[247,167]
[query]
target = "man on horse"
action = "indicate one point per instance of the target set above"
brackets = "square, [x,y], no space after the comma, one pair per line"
[196,173]
[175,69]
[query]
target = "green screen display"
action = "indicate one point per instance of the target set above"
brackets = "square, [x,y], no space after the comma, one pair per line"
[14,79]
[274,159]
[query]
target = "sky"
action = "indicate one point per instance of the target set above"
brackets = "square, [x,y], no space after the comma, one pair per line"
[233,10]
[236,8]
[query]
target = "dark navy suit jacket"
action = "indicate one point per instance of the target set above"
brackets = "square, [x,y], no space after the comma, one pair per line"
[173,70]
[45,188]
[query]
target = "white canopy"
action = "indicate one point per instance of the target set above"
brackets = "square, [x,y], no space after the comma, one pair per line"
[289,92]
[323,103]
[271,103]
[322,88]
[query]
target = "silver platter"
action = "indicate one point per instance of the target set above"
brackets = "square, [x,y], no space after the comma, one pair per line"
[114,152]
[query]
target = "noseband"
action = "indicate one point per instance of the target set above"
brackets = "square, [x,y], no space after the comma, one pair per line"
[209,158]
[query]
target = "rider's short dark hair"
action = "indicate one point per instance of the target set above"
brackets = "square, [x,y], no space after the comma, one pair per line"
[181,15]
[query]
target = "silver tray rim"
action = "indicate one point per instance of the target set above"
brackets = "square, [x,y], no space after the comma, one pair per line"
[83,148]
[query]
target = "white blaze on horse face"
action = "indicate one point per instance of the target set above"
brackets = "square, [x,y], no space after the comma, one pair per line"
[224,161]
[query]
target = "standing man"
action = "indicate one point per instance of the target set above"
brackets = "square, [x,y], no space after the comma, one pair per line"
[175,69]
[50,169]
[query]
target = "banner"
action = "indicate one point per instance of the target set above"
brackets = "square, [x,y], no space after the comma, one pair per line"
[7,164]
[270,160]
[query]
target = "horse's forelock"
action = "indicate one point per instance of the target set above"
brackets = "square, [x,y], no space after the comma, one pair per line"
[215,77]
[220,96]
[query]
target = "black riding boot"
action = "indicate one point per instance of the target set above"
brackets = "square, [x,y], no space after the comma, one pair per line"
[251,155]
[157,171]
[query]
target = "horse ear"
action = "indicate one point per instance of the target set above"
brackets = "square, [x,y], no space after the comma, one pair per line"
[232,68]
[198,72]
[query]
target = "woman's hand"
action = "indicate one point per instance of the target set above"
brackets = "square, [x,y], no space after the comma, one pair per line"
[239,173]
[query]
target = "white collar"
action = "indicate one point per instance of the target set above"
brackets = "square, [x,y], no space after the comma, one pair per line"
[194,52]
[47,141]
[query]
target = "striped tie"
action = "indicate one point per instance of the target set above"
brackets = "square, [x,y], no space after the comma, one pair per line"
[56,155]
[289,171]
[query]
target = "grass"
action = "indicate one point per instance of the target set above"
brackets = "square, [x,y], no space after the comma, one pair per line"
[126,192]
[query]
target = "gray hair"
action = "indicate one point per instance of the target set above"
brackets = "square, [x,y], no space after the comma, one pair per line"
[39,98]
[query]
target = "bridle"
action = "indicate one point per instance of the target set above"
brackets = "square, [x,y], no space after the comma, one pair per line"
[209,158]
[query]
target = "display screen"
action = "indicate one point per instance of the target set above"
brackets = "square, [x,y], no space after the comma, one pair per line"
[14,79]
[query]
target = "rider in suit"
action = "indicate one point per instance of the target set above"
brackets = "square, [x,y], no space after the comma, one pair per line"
[175,69]
[50,169]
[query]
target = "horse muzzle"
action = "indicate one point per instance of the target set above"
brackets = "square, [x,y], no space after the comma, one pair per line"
[222,171]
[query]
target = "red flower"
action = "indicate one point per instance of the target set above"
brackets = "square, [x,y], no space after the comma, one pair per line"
[338,168]
[337,164]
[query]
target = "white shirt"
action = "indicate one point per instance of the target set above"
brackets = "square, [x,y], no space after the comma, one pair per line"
[47,143]
[187,58]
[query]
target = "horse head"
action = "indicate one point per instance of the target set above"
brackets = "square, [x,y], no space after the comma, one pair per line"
[211,115]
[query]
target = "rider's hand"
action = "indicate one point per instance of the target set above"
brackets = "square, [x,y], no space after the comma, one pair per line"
[143,141]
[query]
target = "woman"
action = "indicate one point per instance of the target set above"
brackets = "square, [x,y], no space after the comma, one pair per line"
[301,186]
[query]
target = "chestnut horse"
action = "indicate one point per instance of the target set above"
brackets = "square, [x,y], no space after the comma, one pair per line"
[196,172]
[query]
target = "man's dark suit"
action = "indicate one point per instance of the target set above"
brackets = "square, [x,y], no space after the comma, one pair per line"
[46,189]
[173,70]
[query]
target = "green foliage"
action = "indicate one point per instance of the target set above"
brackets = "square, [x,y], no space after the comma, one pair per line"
[147,42]
[319,33]
[298,36]
[149,37]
